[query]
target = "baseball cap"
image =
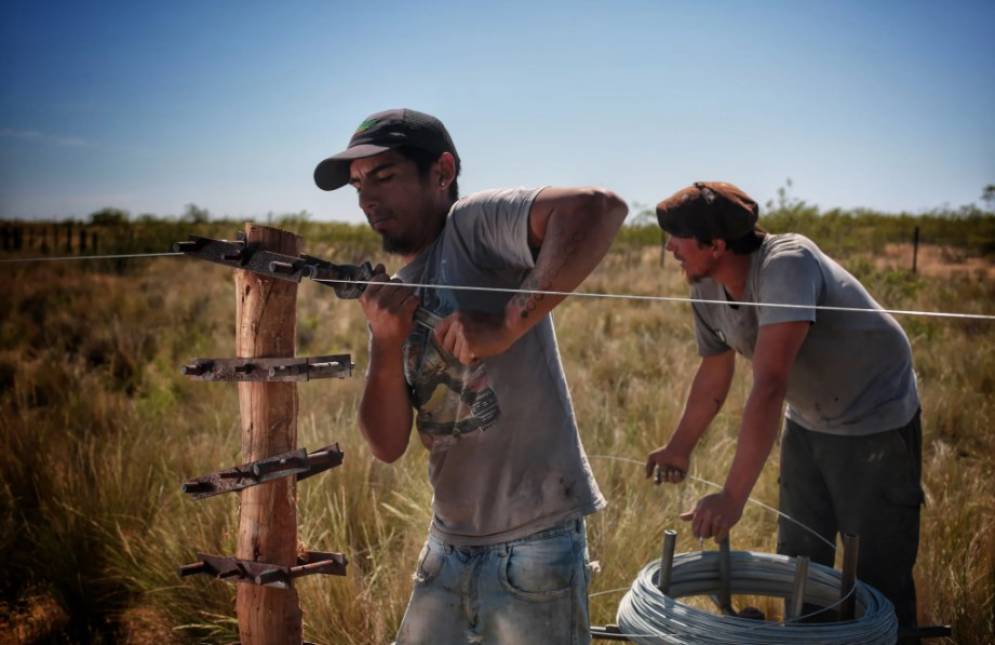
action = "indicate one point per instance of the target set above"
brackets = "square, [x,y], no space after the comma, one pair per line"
[708,210]
[381,132]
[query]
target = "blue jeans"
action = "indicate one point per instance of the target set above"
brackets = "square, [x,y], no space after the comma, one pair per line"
[530,590]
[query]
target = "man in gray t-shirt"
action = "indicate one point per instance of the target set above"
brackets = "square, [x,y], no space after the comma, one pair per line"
[479,374]
[851,454]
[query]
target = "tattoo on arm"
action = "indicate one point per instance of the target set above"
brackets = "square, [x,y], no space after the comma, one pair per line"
[528,301]
[541,278]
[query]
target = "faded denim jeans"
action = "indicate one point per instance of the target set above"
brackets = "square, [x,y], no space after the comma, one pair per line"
[530,590]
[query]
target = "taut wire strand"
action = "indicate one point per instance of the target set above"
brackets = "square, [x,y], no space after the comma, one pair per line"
[548,292]
[627,296]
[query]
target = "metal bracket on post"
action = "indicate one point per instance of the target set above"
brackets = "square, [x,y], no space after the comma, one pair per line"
[303,368]
[239,254]
[267,575]
[295,462]
[347,280]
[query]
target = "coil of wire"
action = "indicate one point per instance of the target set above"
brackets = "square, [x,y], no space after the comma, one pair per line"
[646,616]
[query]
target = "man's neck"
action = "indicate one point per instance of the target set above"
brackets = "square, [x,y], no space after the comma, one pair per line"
[732,273]
[437,224]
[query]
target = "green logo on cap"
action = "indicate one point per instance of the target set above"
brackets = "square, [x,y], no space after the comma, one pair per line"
[366,125]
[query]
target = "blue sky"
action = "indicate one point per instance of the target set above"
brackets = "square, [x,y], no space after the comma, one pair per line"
[150,106]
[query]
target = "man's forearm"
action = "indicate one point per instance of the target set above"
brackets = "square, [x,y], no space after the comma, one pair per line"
[385,411]
[574,243]
[708,392]
[761,419]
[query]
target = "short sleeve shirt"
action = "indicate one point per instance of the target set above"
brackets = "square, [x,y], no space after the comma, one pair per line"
[853,374]
[506,458]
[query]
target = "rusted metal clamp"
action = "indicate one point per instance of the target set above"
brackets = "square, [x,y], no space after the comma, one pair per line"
[347,280]
[267,575]
[249,256]
[303,368]
[296,462]
[321,270]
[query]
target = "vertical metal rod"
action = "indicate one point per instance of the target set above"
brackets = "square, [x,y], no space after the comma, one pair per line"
[667,561]
[851,551]
[725,588]
[797,600]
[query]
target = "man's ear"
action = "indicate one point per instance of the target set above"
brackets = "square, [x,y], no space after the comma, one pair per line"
[718,247]
[446,167]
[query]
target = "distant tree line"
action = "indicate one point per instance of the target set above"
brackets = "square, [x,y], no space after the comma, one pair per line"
[114,230]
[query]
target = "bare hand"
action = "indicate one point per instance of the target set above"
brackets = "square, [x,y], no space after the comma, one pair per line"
[714,515]
[389,309]
[667,465]
[472,335]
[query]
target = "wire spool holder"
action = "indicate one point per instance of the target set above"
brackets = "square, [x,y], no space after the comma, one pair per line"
[711,574]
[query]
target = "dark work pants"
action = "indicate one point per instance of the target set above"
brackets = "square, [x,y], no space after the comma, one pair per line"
[869,486]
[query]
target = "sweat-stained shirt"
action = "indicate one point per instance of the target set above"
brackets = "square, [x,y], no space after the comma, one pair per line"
[853,374]
[506,459]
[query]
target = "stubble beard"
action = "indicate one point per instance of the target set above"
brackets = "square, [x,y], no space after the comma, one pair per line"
[694,278]
[396,245]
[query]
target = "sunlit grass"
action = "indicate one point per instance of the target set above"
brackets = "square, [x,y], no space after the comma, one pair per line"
[98,429]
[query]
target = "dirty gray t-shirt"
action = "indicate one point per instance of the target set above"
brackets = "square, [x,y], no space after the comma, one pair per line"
[506,459]
[853,373]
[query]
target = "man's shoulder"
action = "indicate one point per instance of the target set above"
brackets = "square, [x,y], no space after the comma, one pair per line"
[493,198]
[783,250]
[775,243]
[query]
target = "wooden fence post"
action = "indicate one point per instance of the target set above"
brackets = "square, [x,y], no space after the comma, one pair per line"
[266,327]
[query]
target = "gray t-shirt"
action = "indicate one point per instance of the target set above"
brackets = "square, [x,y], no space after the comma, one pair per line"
[506,459]
[853,373]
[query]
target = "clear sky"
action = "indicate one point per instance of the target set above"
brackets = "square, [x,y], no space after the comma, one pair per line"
[148,106]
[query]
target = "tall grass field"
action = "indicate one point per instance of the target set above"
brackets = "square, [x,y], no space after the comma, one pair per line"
[98,429]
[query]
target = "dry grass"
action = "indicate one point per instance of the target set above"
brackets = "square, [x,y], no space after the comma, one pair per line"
[935,261]
[97,431]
